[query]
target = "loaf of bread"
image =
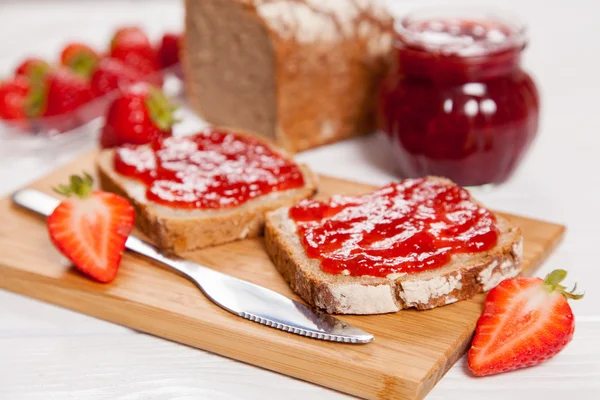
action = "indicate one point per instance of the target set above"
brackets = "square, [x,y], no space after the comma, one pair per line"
[303,72]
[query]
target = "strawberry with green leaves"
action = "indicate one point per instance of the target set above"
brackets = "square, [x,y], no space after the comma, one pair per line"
[140,115]
[525,321]
[91,227]
[79,58]
[63,92]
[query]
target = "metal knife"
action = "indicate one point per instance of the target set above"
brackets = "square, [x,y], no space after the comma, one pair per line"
[239,297]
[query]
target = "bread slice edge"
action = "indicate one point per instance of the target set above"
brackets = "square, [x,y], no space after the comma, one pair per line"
[171,230]
[339,294]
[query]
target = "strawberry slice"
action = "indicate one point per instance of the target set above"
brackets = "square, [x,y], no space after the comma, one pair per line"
[91,227]
[525,321]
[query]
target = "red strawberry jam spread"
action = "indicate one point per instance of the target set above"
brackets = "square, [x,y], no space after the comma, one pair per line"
[210,170]
[406,227]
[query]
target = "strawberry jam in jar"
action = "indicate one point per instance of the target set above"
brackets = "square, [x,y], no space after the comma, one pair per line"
[457,103]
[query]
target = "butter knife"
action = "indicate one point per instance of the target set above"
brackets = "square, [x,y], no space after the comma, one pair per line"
[239,297]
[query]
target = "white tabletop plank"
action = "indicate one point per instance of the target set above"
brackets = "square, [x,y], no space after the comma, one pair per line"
[51,353]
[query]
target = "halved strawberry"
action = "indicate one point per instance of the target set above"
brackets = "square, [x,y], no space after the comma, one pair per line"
[91,228]
[80,58]
[525,321]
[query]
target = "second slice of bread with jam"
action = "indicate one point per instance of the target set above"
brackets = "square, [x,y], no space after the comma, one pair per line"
[360,290]
[177,223]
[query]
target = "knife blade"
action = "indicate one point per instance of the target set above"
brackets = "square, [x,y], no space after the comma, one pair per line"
[242,298]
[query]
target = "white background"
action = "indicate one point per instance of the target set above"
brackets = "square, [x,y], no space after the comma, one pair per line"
[50,353]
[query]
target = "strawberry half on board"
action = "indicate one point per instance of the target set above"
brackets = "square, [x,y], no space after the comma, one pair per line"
[525,321]
[90,228]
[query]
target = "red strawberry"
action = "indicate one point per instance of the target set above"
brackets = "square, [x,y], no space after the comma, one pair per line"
[112,74]
[131,46]
[13,98]
[141,114]
[33,68]
[168,51]
[64,92]
[130,36]
[91,227]
[80,58]
[525,321]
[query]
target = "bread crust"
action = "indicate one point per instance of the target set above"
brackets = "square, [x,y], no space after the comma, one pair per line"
[339,294]
[179,234]
[325,88]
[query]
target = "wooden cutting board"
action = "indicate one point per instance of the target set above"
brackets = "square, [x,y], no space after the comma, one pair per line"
[411,352]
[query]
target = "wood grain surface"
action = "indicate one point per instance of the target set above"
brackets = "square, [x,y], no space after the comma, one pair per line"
[411,352]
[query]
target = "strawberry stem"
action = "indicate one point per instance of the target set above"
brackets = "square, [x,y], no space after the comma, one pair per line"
[160,109]
[83,64]
[36,99]
[38,71]
[552,283]
[555,277]
[78,186]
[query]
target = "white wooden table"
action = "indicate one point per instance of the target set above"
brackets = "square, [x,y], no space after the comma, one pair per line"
[51,353]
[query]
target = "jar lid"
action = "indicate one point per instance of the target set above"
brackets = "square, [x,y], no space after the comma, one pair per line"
[463,32]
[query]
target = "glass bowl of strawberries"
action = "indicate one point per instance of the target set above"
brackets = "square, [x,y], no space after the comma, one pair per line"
[44,102]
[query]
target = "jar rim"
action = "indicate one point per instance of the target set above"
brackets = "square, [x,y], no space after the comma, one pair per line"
[509,33]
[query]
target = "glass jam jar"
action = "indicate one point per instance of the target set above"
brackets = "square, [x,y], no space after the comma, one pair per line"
[457,103]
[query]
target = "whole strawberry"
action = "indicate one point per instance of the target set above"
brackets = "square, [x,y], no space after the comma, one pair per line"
[13,98]
[64,92]
[140,115]
[525,321]
[111,74]
[130,37]
[91,227]
[131,46]
[35,69]
[168,51]
[79,58]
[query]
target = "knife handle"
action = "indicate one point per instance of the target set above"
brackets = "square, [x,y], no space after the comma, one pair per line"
[36,201]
